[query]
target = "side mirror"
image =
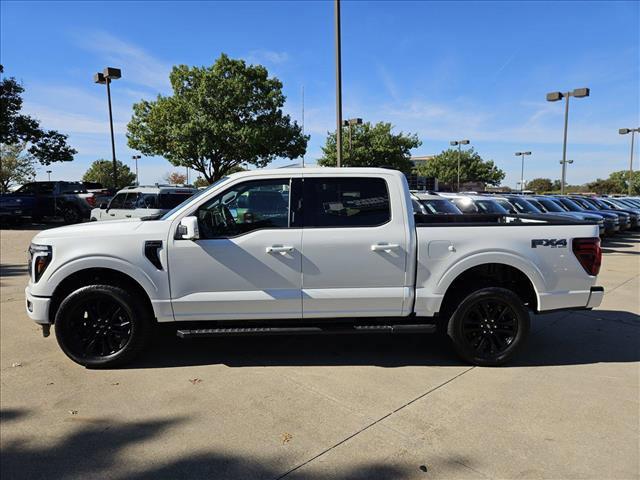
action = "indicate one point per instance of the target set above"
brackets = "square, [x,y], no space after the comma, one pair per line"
[103,205]
[188,229]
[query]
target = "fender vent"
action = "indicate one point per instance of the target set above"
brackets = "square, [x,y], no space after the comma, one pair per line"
[152,250]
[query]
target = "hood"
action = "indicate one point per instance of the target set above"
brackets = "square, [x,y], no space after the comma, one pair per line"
[89,230]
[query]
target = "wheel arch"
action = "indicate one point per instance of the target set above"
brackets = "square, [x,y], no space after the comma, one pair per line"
[462,282]
[98,275]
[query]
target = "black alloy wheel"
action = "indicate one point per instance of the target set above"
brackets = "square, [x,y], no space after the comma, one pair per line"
[101,326]
[489,326]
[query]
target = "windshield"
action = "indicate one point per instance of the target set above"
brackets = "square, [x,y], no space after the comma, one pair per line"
[490,206]
[550,205]
[585,204]
[506,205]
[523,206]
[570,205]
[193,197]
[440,207]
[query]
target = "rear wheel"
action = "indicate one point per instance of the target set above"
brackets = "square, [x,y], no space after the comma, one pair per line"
[102,326]
[489,326]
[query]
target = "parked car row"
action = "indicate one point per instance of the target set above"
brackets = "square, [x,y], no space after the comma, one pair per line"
[75,202]
[611,214]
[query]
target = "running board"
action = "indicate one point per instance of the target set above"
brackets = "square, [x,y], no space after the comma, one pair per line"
[333,329]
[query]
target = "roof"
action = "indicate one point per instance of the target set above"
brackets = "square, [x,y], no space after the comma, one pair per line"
[427,196]
[329,171]
[156,188]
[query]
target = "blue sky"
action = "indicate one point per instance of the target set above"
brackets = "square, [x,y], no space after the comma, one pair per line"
[443,70]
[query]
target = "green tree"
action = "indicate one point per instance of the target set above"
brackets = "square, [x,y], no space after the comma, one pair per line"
[200,182]
[603,186]
[540,185]
[101,171]
[473,168]
[371,146]
[47,146]
[218,117]
[16,166]
[621,181]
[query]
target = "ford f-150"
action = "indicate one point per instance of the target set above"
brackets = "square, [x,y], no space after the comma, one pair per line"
[308,251]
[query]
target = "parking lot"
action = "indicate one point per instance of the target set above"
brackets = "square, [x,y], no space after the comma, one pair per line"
[366,407]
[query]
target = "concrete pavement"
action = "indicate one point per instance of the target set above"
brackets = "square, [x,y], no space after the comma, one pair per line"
[369,407]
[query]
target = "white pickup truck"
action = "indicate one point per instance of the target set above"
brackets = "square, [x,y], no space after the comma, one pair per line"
[308,251]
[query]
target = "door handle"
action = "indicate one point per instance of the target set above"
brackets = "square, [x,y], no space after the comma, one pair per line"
[128,216]
[281,249]
[112,214]
[384,247]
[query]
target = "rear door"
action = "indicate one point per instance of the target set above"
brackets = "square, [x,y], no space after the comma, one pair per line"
[354,248]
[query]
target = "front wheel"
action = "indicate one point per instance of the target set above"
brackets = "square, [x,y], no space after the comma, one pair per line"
[102,326]
[489,326]
[71,215]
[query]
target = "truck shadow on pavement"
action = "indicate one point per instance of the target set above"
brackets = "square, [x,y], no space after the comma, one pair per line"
[555,339]
[97,448]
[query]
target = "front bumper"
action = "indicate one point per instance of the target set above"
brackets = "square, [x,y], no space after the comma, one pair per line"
[37,307]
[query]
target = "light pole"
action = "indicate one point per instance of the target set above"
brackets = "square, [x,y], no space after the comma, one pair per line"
[554,97]
[350,123]
[338,87]
[136,158]
[522,154]
[632,131]
[459,143]
[105,78]
[49,174]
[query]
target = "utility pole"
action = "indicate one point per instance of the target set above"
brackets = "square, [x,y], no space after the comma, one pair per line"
[338,87]
[107,75]
[522,154]
[632,131]
[459,143]
[554,97]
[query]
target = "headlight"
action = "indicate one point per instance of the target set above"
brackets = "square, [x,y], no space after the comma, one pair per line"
[39,259]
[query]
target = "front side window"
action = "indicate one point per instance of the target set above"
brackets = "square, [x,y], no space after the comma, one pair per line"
[118,200]
[245,207]
[345,202]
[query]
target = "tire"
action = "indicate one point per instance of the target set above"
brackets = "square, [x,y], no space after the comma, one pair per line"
[489,326]
[71,215]
[102,326]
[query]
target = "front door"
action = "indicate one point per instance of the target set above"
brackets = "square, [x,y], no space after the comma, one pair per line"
[246,263]
[354,249]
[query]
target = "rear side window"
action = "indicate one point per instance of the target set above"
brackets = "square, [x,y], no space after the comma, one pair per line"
[72,188]
[170,200]
[345,202]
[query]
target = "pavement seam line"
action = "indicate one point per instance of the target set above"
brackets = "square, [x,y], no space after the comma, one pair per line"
[374,423]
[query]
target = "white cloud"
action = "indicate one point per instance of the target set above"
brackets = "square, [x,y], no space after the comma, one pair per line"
[138,66]
[267,56]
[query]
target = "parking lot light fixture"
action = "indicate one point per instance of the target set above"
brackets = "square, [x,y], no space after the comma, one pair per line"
[522,154]
[459,144]
[632,131]
[350,123]
[136,158]
[554,97]
[104,78]
[49,174]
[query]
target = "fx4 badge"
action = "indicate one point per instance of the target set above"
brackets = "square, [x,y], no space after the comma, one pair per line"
[549,242]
